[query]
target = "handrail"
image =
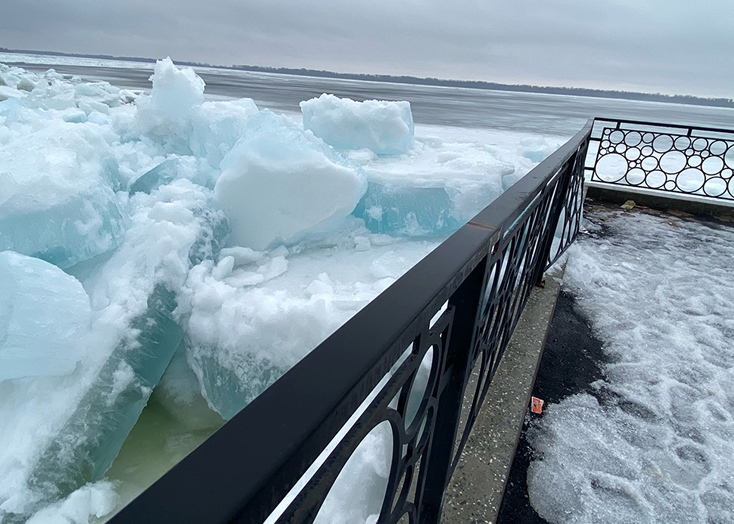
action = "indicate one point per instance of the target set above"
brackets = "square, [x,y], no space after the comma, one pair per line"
[476,283]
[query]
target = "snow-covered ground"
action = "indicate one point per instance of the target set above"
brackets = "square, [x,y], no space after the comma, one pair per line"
[655,442]
[189,251]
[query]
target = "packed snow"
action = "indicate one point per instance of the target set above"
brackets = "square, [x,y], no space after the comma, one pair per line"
[167,250]
[655,440]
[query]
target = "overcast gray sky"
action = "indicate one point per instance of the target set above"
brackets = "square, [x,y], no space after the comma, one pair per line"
[667,46]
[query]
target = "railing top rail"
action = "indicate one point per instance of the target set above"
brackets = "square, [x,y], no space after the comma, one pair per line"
[621,121]
[252,462]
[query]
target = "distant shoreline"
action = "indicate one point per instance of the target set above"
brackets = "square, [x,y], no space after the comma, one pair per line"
[471,84]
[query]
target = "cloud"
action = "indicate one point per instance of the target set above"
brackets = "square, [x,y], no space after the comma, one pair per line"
[653,46]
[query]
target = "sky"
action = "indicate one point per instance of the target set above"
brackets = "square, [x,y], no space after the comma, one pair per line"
[659,46]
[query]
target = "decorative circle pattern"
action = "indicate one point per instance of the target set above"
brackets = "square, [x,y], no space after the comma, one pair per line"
[679,163]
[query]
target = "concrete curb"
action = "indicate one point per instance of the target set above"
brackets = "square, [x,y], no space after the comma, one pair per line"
[475,492]
[655,199]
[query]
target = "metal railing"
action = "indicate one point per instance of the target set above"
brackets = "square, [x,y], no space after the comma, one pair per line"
[403,363]
[696,161]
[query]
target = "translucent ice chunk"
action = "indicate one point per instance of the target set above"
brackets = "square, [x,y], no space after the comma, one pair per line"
[164,173]
[224,387]
[279,183]
[94,434]
[536,149]
[384,127]
[180,395]
[43,314]
[407,211]
[57,192]
[78,229]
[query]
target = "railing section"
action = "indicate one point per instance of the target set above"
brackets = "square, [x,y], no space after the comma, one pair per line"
[376,408]
[696,161]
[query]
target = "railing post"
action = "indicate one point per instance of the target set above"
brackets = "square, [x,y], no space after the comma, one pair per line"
[467,301]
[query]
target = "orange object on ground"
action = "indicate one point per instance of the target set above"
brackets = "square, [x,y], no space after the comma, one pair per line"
[536,405]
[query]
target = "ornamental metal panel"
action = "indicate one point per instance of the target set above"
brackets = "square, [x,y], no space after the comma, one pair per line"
[696,161]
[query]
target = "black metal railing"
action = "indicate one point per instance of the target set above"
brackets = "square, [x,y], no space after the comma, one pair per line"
[689,160]
[398,371]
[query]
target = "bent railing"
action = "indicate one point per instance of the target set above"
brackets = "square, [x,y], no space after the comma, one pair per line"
[684,160]
[381,399]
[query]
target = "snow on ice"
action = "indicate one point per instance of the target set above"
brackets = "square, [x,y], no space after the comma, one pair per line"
[386,128]
[206,246]
[655,441]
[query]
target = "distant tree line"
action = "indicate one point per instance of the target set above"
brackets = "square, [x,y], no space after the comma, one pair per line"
[472,84]
[478,84]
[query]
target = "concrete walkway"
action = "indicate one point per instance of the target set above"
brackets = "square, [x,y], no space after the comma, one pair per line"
[476,489]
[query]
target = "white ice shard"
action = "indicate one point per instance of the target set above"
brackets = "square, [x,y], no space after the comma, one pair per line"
[176,94]
[407,211]
[384,127]
[57,188]
[89,503]
[9,92]
[279,183]
[44,315]
[536,148]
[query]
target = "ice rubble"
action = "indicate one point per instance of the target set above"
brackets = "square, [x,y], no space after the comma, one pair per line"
[655,442]
[125,191]
[383,127]
[133,339]
[439,184]
[177,118]
[81,420]
[254,315]
[93,500]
